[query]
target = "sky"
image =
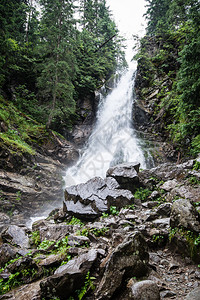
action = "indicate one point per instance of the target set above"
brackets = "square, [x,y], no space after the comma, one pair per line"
[128,15]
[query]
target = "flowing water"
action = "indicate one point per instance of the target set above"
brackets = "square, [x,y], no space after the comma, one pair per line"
[113,139]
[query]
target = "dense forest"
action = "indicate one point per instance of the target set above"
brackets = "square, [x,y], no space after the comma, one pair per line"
[53,52]
[169,66]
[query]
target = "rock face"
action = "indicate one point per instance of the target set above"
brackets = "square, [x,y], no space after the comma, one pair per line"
[28,187]
[89,200]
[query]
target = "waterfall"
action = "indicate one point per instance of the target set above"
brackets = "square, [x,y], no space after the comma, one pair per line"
[113,139]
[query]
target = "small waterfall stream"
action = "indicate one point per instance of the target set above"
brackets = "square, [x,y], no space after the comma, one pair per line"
[113,139]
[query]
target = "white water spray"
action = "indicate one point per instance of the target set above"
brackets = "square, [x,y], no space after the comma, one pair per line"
[113,139]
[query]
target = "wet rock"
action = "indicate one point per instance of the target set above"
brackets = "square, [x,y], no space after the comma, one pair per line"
[89,200]
[184,214]
[68,278]
[128,259]
[126,175]
[143,290]
[194,295]
[16,236]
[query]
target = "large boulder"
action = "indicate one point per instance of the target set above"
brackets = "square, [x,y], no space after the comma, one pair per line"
[89,200]
[126,175]
[183,214]
[127,260]
[68,278]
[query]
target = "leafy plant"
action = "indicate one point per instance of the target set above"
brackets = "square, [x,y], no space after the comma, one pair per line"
[89,285]
[114,211]
[45,245]
[142,194]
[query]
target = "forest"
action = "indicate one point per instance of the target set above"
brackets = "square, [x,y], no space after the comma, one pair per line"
[54,52]
[170,52]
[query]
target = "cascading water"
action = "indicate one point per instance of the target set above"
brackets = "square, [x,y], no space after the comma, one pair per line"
[113,139]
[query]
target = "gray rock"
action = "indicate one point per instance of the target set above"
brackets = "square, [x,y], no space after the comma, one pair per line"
[169,185]
[51,231]
[89,200]
[143,290]
[16,236]
[25,292]
[126,175]
[68,278]
[164,209]
[184,214]
[74,240]
[7,252]
[194,295]
[167,293]
[128,259]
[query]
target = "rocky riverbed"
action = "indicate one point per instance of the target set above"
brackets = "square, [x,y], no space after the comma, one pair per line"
[134,235]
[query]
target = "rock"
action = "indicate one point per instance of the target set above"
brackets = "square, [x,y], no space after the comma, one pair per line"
[169,185]
[89,200]
[194,295]
[7,252]
[24,263]
[126,175]
[143,290]
[68,278]
[74,240]
[25,292]
[164,210]
[16,236]
[127,260]
[167,293]
[51,261]
[183,214]
[51,231]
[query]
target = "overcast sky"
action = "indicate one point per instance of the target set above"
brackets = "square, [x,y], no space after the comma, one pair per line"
[128,15]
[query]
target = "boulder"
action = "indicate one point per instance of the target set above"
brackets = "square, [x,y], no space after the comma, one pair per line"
[127,260]
[183,214]
[89,200]
[143,290]
[15,235]
[126,175]
[194,295]
[68,278]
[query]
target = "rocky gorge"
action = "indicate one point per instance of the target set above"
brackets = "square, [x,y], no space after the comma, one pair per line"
[132,235]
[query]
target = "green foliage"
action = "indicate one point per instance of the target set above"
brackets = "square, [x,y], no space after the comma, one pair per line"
[75,221]
[45,245]
[142,194]
[35,238]
[196,165]
[89,285]
[114,211]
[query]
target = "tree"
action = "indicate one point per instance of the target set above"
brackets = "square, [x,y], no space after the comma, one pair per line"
[57,59]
